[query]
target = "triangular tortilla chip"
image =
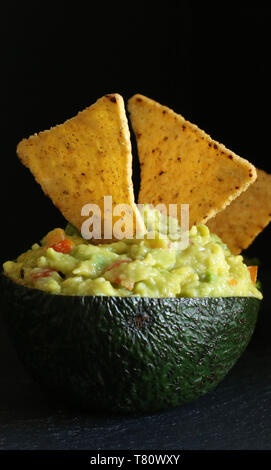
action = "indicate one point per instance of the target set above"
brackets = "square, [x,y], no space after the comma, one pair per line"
[240,223]
[182,164]
[84,159]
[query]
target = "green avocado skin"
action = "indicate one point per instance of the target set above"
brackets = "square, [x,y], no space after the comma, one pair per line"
[127,354]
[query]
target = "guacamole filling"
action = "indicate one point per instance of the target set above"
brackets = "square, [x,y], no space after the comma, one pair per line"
[65,263]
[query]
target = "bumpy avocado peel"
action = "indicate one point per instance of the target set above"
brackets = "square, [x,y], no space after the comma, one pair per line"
[127,354]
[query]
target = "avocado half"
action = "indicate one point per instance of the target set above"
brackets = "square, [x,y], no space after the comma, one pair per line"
[128,354]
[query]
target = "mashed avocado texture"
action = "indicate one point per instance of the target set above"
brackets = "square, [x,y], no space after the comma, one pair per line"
[65,263]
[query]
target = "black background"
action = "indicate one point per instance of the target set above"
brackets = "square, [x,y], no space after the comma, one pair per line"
[212,66]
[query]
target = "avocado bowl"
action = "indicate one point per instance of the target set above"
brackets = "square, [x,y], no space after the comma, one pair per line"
[133,354]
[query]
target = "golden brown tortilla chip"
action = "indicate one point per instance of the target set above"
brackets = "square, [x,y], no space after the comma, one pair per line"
[84,159]
[240,223]
[182,164]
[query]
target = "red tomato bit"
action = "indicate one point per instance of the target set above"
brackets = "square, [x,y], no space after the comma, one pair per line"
[64,246]
[55,236]
[43,273]
[124,283]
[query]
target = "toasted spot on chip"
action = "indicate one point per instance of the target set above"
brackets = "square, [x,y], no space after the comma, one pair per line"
[188,158]
[240,223]
[84,159]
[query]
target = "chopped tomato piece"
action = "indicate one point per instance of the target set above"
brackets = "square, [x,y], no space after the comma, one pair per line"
[233,282]
[43,273]
[117,263]
[124,283]
[64,246]
[55,236]
[253,270]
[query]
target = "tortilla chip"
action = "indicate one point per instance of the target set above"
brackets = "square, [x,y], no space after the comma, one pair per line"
[84,159]
[240,223]
[182,164]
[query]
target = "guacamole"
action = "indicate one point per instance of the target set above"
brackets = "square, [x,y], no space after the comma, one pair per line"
[65,263]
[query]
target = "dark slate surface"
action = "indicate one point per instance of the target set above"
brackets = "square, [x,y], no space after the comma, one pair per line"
[237,415]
